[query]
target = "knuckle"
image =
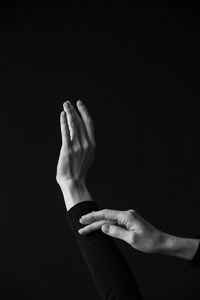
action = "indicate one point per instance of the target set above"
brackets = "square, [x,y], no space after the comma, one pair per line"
[132,210]
[86,145]
[132,213]
[78,148]
[69,153]
[58,178]
[128,214]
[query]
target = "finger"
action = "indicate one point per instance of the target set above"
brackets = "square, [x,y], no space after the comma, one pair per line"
[71,120]
[65,134]
[116,232]
[94,226]
[86,144]
[110,214]
[87,121]
[81,128]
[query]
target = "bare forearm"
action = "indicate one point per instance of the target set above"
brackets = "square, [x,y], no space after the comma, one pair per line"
[74,192]
[180,247]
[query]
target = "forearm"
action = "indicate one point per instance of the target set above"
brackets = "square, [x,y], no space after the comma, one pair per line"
[74,192]
[180,247]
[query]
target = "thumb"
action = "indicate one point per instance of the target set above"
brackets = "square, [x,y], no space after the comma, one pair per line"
[116,232]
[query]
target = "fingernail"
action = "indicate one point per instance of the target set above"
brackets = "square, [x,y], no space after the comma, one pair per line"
[80,220]
[80,231]
[105,228]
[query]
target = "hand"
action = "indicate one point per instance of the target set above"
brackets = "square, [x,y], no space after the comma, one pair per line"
[125,225]
[76,154]
[78,144]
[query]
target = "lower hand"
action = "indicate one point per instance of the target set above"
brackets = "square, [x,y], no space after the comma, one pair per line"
[128,226]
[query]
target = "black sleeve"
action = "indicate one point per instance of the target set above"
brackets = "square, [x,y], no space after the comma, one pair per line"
[195,262]
[110,272]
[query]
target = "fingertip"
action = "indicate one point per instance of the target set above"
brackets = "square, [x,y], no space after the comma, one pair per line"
[82,231]
[83,216]
[67,105]
[84,222]
[64,106]
[79,103]
[62,115]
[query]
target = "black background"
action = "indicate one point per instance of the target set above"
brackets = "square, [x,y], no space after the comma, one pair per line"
[137,70]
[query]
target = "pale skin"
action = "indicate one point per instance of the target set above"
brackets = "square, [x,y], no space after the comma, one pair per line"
[76,156]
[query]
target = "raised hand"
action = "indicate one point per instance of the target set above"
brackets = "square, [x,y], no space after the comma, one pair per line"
[77,152]
[78,143]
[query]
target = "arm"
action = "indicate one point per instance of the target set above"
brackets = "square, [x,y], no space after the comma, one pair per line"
[108,268]
[179,247]
[141,235]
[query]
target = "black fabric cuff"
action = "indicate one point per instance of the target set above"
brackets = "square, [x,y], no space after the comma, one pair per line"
[78,210]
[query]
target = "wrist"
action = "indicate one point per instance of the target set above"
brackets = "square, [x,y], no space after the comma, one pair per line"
[168,245]
[72,184]
[74,191]
[180,247]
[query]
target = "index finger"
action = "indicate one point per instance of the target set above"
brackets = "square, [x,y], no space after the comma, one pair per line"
[64,130]
[87,120]
[108,214]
